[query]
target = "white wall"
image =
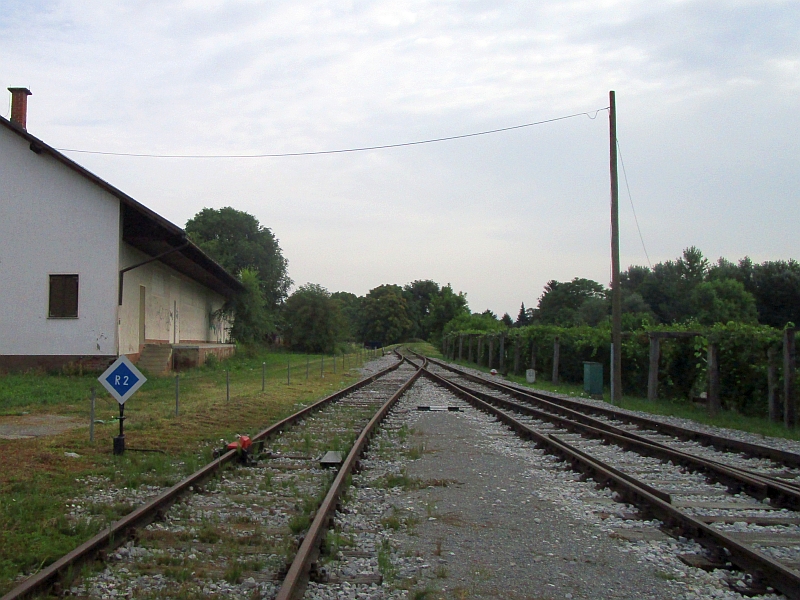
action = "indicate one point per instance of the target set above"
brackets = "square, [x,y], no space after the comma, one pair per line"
[164,290]
[53,220]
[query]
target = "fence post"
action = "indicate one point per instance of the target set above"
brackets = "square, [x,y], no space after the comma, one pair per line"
[772,385]
[479,359]
[789,374]
[91,417]
[491,351]
[713,379]
[177,393]
[556,353]
[516,355]
[227,386]
[469,347]
[263,376]
[652,373]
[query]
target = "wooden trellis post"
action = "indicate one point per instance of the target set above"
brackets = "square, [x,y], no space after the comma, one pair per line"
[516,355]
[713,379]
[652,374]
[789,374]
[556,353]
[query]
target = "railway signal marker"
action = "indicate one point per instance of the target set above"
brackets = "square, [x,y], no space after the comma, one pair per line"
[121,379]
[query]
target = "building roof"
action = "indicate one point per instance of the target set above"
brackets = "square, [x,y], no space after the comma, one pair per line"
[145,229]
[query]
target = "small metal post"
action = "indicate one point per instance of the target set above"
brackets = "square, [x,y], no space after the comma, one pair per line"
[227,386]
[119,441]
[263,376]
[177,392]
[307,365]
[91,417]
[288,371]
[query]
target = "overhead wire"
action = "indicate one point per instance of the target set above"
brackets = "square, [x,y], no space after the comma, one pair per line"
[341,150]
[630,198]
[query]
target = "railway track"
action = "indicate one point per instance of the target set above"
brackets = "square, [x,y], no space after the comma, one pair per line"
[233,528]
[741,506]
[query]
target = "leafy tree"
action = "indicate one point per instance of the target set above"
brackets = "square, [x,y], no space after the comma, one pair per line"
[252,320]
[420,295]
[237,241]
[723,300]
[385,315]
[560,302]
[594,311]
[444,307]
[776,288]
[313,320]
[507,320]
[350,308]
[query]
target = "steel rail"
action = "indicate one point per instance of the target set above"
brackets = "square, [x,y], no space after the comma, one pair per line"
[778,486]
[297,577]
[761,566]
[120,531]
[791,459]
[780,495]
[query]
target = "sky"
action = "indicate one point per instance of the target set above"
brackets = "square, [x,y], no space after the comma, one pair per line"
[708,125]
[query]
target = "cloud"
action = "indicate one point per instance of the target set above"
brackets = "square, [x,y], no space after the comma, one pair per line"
[707,93]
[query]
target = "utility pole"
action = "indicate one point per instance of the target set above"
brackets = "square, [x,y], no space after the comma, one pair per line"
[616,293]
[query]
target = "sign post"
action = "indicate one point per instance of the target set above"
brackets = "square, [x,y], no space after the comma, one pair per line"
[121,379]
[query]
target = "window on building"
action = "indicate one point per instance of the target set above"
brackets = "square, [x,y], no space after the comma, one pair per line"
[63,296]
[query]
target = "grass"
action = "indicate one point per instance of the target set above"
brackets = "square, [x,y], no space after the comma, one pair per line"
[37,480]
[663,406]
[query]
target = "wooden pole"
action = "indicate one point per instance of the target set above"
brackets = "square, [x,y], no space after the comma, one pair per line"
[502,362]
[469,348]
[772,385]
[652,374]
[479,362]
[491,351]
[616,294]
[789,373]
[460,346]
[516,355]
[556,353]
[713,379]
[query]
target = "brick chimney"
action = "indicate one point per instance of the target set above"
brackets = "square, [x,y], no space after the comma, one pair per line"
[19,106]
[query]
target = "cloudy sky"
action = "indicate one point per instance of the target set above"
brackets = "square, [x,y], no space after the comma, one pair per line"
[708,99]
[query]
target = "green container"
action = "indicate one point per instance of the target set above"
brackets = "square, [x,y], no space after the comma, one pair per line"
[593,378]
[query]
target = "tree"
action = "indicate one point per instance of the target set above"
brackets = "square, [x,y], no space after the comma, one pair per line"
[523,318]
[776,288]
[252,320]
[350,308]
[313,320]
[485,321]
[444,307]
[420,295]
[507,320]
[385,317]
[723,300]
[560,302]
[237,241]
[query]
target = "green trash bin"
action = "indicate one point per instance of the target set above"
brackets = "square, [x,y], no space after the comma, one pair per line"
[593,378]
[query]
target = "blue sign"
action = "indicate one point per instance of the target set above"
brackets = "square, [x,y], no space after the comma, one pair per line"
[122,379]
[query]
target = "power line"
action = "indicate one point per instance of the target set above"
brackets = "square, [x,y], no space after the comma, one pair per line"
[344,150]
[625,176]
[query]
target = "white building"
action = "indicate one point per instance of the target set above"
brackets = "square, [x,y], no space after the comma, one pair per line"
[88,273]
